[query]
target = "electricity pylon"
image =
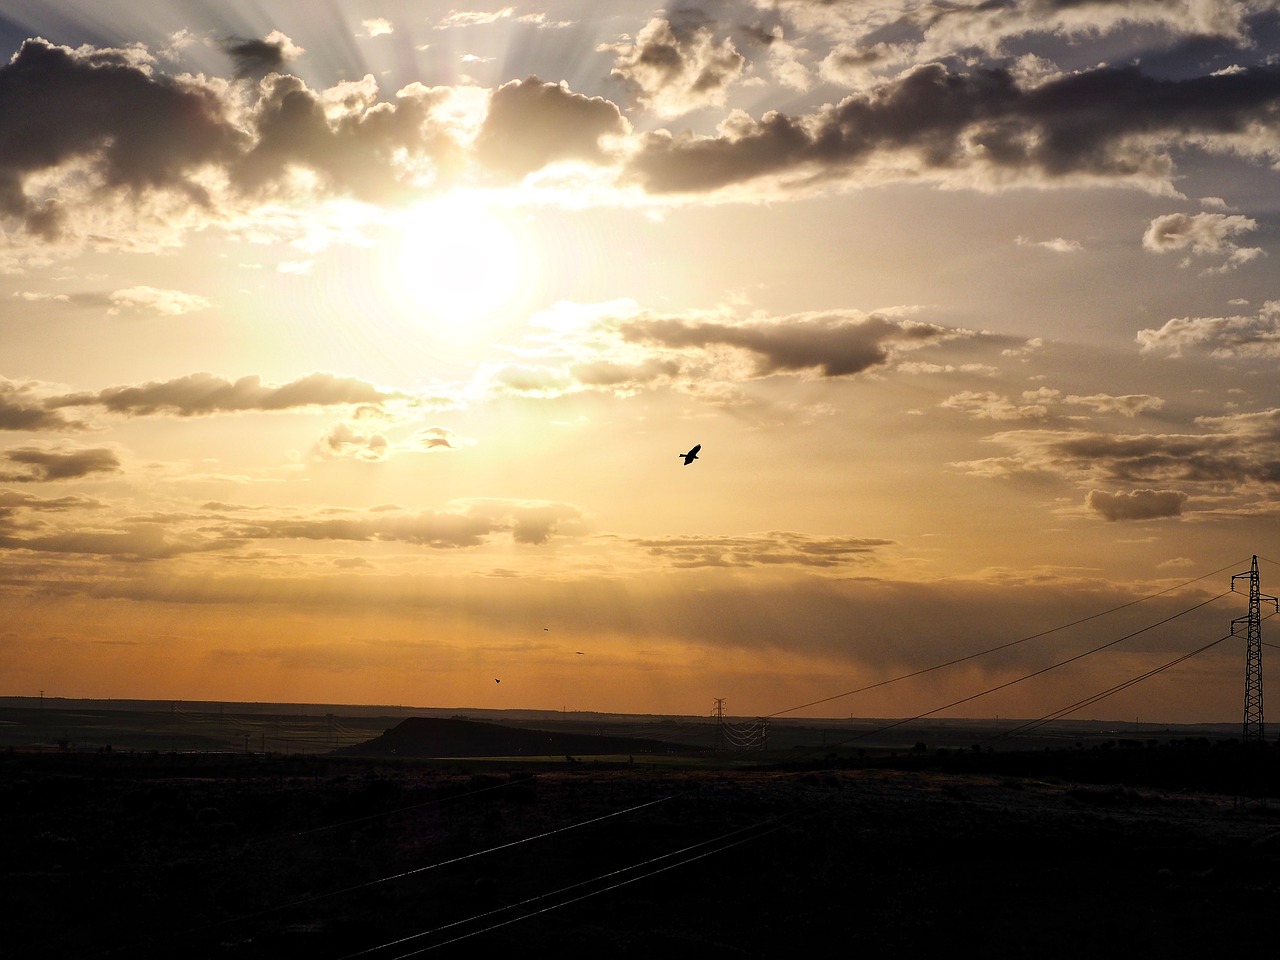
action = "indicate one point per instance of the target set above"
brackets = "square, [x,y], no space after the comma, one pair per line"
[1253,725]
[719,715]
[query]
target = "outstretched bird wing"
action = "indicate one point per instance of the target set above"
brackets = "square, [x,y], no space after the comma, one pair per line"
[694,451]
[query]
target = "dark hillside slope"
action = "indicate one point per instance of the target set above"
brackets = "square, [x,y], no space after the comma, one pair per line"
[436,737]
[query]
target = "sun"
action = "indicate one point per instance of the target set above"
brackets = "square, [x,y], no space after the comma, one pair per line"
[462,263]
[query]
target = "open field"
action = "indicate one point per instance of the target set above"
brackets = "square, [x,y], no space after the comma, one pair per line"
[289,729]
[1168,848]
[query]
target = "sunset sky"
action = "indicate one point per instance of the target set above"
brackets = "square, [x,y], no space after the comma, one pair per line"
[346,351]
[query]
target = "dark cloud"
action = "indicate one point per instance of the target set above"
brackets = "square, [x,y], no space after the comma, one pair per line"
[139,130]
[834,344]
[203,393]
[257,57]
[21,409]
[532,124]
[41,464]
[1239,450]
[1107,122]
[254,57]
[1196,459]
[1138,505]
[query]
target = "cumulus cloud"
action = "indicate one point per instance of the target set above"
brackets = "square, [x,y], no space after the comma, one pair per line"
[933,31]
[675,68]
[1233,453]
[621,349]
[831,344]
[134,130]
[22,407]
[348,141]
[980,127]
[988,26]
[377,27]
[1137,505]
[254,58]
[531,124]
[628,376]
[1255,337]
[100,136]
[99,139]
[1202,234]
[40,464]
[200,394]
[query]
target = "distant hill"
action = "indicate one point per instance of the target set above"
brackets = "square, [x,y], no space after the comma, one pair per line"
[438,738]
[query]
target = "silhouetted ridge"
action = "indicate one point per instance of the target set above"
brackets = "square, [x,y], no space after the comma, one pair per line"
[436,737]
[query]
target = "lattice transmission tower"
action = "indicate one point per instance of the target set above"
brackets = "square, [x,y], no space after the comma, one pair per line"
[1253,724]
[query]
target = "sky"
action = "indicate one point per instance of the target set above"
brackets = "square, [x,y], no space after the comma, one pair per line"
[347,349]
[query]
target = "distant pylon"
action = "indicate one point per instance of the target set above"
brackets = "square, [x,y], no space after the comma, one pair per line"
[1253,724]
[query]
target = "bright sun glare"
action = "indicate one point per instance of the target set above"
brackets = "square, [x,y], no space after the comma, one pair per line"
[460,262]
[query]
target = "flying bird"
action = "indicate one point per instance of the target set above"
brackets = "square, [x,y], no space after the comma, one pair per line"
[496,680]
[692,455]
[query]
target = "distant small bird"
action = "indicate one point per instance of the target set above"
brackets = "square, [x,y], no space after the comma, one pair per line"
[692,455]
[496,680]
[581,654]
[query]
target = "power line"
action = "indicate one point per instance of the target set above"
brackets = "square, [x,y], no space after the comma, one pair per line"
[716,844]
[1088,701]
[387,879]
[1004,646]
[1034,673]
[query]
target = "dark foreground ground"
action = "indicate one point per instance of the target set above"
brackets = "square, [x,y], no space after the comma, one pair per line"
[172,855]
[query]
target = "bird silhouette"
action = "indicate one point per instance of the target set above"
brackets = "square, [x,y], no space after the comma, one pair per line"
[692,455]
[496,680]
